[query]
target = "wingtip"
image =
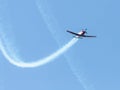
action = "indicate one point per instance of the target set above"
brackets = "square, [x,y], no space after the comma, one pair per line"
[67,30]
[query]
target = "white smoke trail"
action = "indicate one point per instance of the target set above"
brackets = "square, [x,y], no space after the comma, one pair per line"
[13,59]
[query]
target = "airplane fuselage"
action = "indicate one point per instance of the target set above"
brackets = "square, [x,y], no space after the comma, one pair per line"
[81,33]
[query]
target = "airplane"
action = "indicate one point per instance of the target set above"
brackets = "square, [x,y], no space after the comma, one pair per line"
[80,34]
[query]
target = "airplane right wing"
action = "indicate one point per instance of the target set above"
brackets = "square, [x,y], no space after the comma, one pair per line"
[88,36]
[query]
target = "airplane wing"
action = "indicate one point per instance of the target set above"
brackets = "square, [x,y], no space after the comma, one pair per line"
[88,36]
[73,33]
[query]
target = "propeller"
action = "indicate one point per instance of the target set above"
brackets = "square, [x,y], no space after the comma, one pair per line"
[86,30]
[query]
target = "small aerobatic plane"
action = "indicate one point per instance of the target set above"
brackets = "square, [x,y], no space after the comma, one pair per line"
[80,34]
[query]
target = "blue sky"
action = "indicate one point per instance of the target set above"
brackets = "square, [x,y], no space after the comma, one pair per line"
[91,64]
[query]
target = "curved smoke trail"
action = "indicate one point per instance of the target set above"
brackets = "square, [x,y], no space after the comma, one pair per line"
[13,59]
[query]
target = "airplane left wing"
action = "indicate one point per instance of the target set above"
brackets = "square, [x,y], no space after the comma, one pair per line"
[73,33]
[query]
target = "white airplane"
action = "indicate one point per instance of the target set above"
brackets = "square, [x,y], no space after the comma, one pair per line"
[80,34]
